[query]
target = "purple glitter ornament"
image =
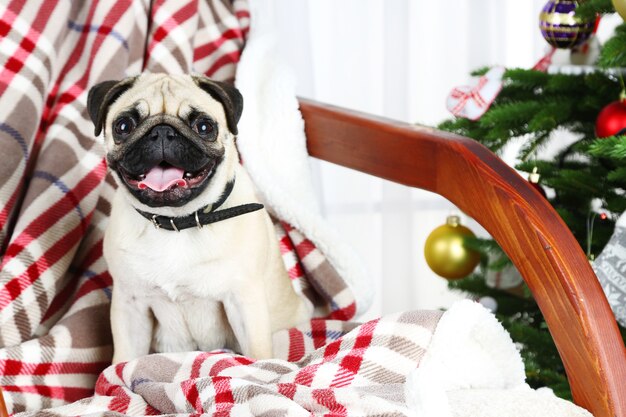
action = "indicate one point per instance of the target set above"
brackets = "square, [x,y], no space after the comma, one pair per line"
[559,25]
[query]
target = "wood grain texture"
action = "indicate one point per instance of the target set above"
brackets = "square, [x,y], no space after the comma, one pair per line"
[515,214]
[3,406]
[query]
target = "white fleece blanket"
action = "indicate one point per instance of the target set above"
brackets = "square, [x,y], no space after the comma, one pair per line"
[271,142]
[472,368]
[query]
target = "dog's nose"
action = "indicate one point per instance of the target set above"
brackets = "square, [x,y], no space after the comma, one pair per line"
[162,131]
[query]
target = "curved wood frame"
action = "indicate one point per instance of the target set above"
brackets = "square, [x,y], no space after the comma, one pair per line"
[515,214]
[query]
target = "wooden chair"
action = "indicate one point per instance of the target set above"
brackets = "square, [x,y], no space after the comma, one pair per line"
[522,221]
[516,215]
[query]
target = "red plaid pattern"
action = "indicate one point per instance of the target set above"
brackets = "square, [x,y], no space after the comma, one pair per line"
[55,195]
[358,371]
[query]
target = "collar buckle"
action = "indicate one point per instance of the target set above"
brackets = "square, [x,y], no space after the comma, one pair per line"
[155,222]
[198,224]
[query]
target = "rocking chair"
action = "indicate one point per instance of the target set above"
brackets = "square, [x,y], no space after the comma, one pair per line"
[470,176]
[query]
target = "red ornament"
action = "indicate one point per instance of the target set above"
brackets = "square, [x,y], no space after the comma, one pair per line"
[612,120]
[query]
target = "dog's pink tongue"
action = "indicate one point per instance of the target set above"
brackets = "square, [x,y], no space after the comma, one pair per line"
[160,179]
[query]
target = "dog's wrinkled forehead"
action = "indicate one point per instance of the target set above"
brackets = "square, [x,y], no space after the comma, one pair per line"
[154,94]
[174,95]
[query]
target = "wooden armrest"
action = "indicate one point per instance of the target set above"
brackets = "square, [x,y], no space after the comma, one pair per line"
[516,215]
[3,406]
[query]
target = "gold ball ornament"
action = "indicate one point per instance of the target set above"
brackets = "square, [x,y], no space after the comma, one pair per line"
[620,7]
[446,253]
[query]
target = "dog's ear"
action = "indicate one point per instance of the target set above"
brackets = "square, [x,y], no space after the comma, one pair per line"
[100,98]
[228,95]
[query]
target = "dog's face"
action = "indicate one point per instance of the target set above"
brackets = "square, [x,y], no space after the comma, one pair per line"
[168,139]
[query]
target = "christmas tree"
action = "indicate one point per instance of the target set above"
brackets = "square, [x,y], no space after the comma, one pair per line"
[586,180]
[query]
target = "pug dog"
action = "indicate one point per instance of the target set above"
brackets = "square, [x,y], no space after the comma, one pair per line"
[193,255]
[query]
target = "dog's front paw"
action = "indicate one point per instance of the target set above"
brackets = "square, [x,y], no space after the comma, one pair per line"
[120,357]
[169,342]
[259,352]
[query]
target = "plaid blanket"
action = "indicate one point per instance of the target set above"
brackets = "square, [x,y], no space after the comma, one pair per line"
[55,194]
[358,372]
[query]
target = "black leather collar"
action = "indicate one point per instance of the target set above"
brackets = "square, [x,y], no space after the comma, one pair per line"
[206,215]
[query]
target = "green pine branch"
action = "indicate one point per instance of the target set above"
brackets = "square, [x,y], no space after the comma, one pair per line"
[612,147]
[590,8]
[613,54]
[533,104]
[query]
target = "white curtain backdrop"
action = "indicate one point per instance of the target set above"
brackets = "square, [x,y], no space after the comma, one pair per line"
[399,59]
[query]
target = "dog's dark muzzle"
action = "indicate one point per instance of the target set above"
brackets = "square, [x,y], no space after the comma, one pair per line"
[163,144]
[164,167]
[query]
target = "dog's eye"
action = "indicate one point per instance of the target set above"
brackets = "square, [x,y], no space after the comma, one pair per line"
[124,125]
[203,126]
